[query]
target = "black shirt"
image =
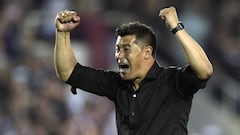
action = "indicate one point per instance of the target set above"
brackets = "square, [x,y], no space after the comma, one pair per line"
[161,105]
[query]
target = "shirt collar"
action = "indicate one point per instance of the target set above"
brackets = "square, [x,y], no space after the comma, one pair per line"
[153,73]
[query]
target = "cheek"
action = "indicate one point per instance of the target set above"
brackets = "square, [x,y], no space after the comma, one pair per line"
[137,61]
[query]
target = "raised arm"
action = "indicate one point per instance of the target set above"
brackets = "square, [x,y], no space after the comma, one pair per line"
[64,58]
[195,55]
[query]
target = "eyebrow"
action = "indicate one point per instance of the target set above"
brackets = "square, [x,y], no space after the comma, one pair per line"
[123,45]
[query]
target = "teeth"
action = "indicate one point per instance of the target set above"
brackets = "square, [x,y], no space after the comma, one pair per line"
[121,70]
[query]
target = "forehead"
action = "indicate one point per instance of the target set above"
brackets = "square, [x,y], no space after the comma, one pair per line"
[124,40]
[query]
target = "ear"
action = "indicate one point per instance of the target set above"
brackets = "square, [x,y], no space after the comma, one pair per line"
[148,52]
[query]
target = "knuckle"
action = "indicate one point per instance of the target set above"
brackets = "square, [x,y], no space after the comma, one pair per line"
[72,12]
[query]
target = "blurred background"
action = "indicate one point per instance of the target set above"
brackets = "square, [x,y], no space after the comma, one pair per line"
[34,102]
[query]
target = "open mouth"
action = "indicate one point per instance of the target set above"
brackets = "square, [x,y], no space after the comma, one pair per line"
[124,68]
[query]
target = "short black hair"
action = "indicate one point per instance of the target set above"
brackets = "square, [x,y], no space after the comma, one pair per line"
[142,31]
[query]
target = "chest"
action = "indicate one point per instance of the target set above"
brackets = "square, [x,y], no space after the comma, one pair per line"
[152,98]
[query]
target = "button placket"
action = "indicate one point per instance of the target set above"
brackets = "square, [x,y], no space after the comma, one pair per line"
[134,100]
[133,110]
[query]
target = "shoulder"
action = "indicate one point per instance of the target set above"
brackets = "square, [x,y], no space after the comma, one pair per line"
[174,69]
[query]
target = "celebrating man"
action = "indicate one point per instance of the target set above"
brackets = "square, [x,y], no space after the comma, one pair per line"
[149,99]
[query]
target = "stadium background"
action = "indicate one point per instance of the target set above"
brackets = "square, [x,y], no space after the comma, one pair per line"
[34,102]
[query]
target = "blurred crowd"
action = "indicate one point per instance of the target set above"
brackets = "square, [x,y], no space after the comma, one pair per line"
[34,102]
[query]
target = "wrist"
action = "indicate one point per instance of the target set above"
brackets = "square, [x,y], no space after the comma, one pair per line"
[62,33]
[179,26]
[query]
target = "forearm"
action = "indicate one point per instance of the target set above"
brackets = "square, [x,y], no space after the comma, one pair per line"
[64,58]
[195,55]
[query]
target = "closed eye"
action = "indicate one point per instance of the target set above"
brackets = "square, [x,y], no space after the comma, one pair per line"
[125,48]
[117,49]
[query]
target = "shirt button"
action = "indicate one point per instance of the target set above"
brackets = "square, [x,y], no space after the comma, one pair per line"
[133,113]
[134,95]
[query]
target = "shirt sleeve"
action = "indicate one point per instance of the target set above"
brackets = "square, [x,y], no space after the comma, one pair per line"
[95,81]
[188,82]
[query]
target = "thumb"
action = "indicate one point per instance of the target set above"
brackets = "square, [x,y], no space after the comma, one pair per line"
[76,19]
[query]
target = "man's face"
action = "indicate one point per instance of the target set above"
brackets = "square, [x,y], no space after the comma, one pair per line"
[129,57]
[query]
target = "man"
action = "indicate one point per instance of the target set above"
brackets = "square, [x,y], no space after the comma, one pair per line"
[149,99]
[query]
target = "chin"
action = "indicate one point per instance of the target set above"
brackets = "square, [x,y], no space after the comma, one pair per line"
[125,77]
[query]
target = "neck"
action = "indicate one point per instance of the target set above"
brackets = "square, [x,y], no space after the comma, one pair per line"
[136,84]
[137,81]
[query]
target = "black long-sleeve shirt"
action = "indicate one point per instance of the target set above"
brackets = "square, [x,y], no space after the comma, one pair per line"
[160,106]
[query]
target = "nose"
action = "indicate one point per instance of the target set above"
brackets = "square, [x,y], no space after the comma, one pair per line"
[119,55]
[118,60]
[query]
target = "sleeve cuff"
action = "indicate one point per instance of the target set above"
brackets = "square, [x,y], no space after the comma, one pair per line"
[71,80]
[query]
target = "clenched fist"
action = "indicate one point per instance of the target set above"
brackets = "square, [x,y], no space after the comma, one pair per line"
[66,21]
[169,15]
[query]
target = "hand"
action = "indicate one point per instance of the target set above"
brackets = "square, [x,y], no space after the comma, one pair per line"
[169,15]
[66,21]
